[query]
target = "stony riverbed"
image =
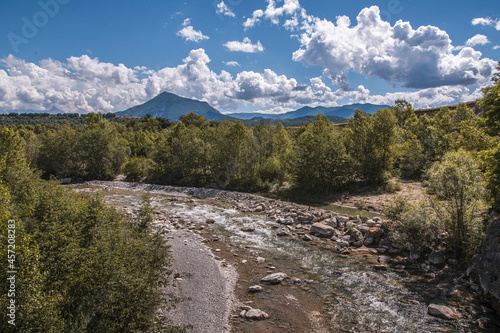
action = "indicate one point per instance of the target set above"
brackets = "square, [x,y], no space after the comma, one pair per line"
[340,273]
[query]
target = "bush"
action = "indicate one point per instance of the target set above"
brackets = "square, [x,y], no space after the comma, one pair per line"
[83,266]
[416,229]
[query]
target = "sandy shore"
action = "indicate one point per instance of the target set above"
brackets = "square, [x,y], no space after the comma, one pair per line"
[204,284]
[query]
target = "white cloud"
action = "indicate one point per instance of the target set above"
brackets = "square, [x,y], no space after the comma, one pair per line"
[231,63]
[496,47]
[252,21]
[482,21]
[414,58]
[223,9]
[189,34]
[272,12]
[487,21]
[477,40]
[245,46]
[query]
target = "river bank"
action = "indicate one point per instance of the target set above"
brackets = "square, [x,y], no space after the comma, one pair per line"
[324,289]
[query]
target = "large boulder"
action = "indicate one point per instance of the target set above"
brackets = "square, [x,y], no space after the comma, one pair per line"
[487,265]
[442,311]
[322,230]
[274,278]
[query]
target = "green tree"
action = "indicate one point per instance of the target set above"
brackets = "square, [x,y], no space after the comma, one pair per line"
[322,164]
[12,153]
[370,140]
[458,183]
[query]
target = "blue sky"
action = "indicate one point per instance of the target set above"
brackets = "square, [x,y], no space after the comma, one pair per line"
[241,55]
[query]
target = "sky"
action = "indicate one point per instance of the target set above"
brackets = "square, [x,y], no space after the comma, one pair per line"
[245,56]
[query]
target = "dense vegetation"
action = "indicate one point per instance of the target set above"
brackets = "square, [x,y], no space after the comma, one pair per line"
[81,266]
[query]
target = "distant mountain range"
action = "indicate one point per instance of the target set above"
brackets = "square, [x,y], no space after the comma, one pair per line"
[344,111]
[170,106]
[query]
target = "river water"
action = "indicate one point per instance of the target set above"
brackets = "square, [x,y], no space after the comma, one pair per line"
[357,298]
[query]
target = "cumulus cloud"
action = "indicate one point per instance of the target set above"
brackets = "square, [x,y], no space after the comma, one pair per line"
[231,63]
[477,40]
[83,84]
[189,34]
[496,47]
[413,58]
[223,9]
[487,21]
[245,46]
[272,12]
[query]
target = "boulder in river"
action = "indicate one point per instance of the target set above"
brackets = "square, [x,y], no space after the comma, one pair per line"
[274,278]
[254,288]
[322,230]
[442,311]
[256,314]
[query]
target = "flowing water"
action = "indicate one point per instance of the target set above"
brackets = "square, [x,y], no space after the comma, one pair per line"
[357,298]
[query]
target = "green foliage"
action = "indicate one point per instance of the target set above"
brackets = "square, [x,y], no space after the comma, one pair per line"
[457,185]
[490,160]
[82,267]
[12,153]
[491,102]
[138,167]
[399,207]
[322,163]
[416,229]
[370,140]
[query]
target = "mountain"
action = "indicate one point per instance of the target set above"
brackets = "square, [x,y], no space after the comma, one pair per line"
[344,111]
[53,110]
[172,107]
[285,122]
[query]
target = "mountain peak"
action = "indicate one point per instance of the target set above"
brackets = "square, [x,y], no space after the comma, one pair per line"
[171,106]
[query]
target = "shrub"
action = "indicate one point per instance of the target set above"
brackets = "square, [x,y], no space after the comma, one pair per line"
[416,229]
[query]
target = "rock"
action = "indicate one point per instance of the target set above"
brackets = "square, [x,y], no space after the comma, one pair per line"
[210,221]
[342,219]
[342,243]
[370,223]
[414,256]
[487,264]
[256,314]
[382,250]
[258,209]
[363,228]
[274,278]
[248,228]
[369,241]
[377,219]
[442,312]
[436,258]
[358,236]
[375,232]
[322,230]
[357,243]
[307,238]
[283,232]
[286,221]
[255,288]
[384,259]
